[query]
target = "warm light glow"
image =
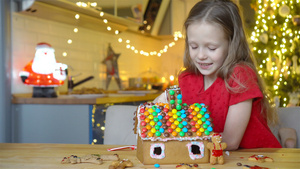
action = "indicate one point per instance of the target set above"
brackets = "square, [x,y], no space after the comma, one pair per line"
[77,16]
[70,41]
[172,78]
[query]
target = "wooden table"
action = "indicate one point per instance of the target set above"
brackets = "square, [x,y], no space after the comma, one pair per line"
[20,155]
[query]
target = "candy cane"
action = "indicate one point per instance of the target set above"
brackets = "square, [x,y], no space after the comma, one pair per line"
[132,147]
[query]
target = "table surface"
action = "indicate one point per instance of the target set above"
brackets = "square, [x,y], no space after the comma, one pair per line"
[23,155]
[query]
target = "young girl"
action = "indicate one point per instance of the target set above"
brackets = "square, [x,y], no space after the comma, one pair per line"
[220,72]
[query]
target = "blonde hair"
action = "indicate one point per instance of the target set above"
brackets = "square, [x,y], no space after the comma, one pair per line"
[227,15]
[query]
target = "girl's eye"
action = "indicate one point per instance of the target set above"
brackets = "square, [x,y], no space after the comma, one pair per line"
[194,47]
[211,48]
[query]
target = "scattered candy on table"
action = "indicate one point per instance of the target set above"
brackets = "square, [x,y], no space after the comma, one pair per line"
[156,165]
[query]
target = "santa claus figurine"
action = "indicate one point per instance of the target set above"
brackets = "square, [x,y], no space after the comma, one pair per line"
[43,72]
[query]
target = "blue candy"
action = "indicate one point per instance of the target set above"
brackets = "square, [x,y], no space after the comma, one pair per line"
[156,165]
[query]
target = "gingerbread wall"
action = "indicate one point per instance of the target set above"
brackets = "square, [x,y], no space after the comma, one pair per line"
[175,152]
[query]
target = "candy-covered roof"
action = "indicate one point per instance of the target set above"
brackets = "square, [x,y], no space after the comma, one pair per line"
[174,120]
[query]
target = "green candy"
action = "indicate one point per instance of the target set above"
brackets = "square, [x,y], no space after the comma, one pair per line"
[178,107]
[181,133]
[157,133]
[157,127]
[172,92]
[203,119]
[154,113]
[205,125]
[207,132]
[180,125]
[179,119]
[172,101]
[179,101]
[155,119]
[184,104]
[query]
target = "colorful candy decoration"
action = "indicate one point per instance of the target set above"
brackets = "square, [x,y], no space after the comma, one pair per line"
[174,120]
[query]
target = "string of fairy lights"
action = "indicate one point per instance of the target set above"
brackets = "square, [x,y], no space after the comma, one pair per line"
[128,43]
[272,39]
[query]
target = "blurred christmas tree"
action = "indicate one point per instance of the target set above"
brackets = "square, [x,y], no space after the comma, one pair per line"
[276,46]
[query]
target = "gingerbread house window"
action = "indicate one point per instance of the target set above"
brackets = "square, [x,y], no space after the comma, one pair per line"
[157,151]
[196,150]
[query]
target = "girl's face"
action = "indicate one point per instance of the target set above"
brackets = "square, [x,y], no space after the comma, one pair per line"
[208,47]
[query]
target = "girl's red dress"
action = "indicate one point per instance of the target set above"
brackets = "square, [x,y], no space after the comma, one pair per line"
[218,99]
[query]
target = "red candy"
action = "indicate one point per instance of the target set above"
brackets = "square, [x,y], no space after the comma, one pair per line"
[168,123]
[190,110]
[167,117]
[142,117]
[142,110]
[143,123]
[144,130]
[191,116]
[170,130]
[193,123]
[194,129]
[166,110]
[143,135]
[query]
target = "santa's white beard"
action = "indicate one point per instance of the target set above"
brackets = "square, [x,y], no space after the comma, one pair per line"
[44,64]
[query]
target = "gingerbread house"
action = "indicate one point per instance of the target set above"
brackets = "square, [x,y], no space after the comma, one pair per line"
[173,132]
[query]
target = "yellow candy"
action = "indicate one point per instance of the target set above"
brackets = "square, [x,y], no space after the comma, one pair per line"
[151,110]
[199,116]
[152,123]
[201,130]
[178,129]
[153,130]
[197,109]
[174,111]
[175,116]
[176,122]
[199,122]
[150,116]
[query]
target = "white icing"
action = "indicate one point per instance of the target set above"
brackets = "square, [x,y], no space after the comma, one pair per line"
[162,155]
[191,154]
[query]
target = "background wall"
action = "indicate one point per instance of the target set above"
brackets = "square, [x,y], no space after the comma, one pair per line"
[87,51]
